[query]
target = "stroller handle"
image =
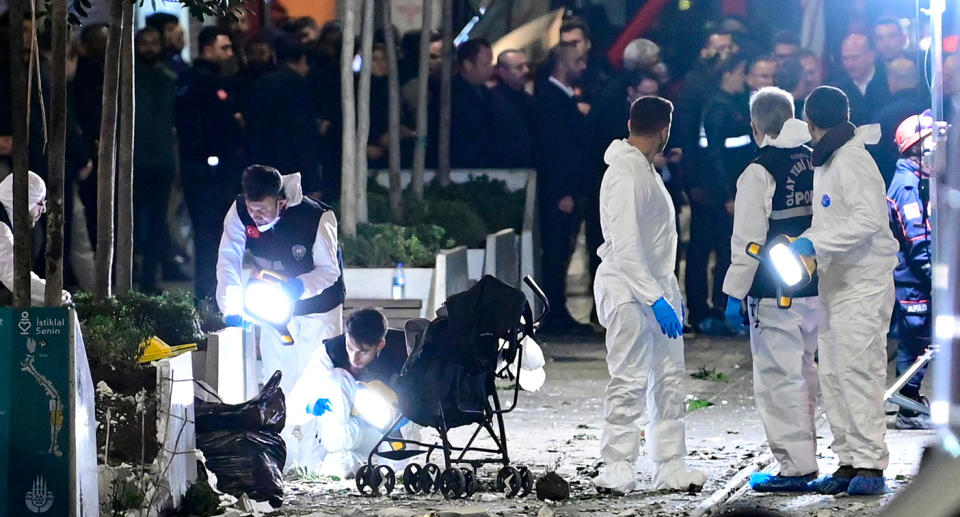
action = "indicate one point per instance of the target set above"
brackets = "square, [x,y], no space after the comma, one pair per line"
[538,292]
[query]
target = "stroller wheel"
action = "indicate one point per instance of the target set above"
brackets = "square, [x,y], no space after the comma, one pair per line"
[430,478]
[412,478]
[470,481]
[509,481]
[387,478]
[526,481]
[453,483]
[368,480]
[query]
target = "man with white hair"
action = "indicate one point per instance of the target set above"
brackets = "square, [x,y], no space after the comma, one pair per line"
[37,205]
[773,198]
[640,54]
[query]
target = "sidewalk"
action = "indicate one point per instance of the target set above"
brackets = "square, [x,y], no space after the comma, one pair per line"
[559,428]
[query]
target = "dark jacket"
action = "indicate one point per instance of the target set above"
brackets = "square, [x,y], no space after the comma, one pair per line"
[902,104]
[282,125]
[88,88]
[911,227]
[155,119]
[512,119]
[207,125]
[863,107]
[560,151]
[729,149]
[384,368]
[470,135]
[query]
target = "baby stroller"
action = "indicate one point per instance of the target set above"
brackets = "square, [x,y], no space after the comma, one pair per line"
[448,382]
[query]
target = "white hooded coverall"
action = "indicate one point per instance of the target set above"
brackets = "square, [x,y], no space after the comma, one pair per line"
[856,256]
[308,331]
[783,341]
[36,192]
[646,367]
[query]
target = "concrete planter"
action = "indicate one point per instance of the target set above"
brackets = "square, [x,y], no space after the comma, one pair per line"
[377,283]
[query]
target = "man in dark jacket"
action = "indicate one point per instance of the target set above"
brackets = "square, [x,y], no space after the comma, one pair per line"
[865,83]
[470,106]
[153,153]
[282,121]
[562,177]
[88,91]
[909,98]
[727,149]
[211,156]
[512,111]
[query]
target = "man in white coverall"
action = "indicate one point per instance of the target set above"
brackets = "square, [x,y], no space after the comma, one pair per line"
[773,198]
[638,301]
[37,205]
[293,235]
[856,255]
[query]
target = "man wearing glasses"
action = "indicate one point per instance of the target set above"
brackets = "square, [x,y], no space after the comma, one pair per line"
[37,201]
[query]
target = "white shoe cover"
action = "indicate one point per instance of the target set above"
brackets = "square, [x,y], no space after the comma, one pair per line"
[618,477]
[343,465]
[674,475]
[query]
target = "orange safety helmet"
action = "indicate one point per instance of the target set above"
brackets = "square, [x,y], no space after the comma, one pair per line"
[913,129]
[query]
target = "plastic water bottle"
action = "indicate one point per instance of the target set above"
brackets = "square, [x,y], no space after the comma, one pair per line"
[399,282]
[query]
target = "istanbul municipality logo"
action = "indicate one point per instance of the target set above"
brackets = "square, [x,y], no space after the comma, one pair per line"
[39,499]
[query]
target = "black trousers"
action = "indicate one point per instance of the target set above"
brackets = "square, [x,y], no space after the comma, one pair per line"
[208,199]
[151,194]
[558,232]
[710,230]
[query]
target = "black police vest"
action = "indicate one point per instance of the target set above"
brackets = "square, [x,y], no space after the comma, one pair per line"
[6,295]
[287,248]
[792,211]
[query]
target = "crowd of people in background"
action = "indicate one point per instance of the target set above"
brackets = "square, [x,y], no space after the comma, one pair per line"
[273,96]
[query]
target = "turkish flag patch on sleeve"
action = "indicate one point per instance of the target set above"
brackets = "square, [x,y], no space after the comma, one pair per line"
[253,232]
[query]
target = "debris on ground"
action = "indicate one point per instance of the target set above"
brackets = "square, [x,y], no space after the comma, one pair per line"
[552,487]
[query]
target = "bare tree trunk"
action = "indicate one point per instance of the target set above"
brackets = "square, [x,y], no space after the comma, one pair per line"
[393,87]
[420,151]
[19,101]
[125,155]
[443,158]
[348,190]
[56,154]
[363,111]
[107,155]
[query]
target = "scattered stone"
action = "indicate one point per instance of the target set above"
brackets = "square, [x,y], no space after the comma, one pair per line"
[545,510]
[627,513]
[553,487]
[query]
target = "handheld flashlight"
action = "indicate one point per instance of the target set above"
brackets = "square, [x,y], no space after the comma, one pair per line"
[266,302]
[376,404]
[792,270]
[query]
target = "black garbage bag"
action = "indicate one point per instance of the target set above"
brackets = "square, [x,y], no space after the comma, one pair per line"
[242,446]
[265,412]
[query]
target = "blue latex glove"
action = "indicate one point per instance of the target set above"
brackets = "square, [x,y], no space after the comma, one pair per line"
[294,288]
[733,313]
[803,246]
[236,320]
[667,318]
[319,407]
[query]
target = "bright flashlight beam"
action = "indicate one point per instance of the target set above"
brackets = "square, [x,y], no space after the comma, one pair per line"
[787,264]
[267,302]
[373,408]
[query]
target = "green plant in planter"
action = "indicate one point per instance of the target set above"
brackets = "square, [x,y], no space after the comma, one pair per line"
[114,328]
[385,244]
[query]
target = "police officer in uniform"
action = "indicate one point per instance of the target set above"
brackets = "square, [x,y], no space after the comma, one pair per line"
[773,198]
[288,233]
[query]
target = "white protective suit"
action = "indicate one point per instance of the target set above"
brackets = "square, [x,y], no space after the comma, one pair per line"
[856,256]
[308,331]
[37,192]
[783,341]
[646,367]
